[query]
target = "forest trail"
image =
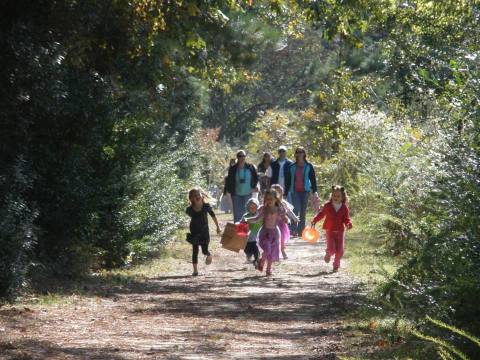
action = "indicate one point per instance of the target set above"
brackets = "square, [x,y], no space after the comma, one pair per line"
[231,311]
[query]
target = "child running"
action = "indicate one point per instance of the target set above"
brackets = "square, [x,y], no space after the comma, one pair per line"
[252,249]
[199,234]
[337,217]
[272,212]
[284,229]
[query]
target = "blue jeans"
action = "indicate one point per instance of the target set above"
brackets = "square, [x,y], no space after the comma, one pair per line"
[300,203]
[239,203]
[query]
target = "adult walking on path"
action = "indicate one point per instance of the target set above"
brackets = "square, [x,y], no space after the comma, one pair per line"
[242,180]
[279,169]
[263,169]
[226,200]
[301,181]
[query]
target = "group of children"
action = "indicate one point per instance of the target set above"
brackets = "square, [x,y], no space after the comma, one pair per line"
[269,226]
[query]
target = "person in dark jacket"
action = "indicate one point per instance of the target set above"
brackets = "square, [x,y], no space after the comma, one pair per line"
[263,169]
[242,180]
[278,172]
[226,200]
[301,181]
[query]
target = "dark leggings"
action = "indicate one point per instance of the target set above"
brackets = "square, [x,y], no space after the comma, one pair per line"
[252,249]
[195,252]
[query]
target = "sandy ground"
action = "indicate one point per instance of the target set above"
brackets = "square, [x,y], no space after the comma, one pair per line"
[230,311]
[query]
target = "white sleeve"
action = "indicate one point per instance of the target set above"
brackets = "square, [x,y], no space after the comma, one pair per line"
[287,204]
[256,218]
[289,210]
[269,172]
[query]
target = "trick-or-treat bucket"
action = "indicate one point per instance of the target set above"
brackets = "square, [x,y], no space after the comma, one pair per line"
[232,239]
[242,229]
[310,235]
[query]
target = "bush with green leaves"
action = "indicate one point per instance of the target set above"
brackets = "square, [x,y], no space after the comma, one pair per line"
[92,92]
[450,342]
[154,210]
[441,279]
[420,188]
[17,228]
[380,162]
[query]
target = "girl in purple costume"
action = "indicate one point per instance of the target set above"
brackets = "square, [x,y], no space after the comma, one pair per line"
[272,212]
[283,225]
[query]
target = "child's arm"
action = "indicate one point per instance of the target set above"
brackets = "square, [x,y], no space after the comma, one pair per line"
[257,218]
[216,223]
[318,217]
[214,217]
[282,213]
[347,220]
[253,219]
[290,213]
[243,219]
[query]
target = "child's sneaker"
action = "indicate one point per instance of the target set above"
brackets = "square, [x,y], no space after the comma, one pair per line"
[284,254]
[327,258]
[195,273]
[208,260]
[335,269]
[269,273]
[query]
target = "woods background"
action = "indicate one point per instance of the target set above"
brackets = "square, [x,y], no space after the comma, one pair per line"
[110,110]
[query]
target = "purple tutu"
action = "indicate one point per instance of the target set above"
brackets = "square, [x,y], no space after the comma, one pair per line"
[269,242]
[284,234]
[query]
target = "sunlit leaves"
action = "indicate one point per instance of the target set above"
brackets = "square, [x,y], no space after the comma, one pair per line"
[272,129]
[195,42]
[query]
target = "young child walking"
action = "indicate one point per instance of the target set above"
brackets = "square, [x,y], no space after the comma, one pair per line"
[337,217]
[272,212]
[199,235]
[251,250]
[284,228]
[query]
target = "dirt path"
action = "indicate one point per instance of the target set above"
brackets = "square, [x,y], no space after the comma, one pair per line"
[229,311]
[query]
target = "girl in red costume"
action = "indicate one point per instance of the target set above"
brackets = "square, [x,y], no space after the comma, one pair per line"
[337,218]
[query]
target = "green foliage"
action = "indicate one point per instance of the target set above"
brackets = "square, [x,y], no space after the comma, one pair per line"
[445,349]
[411,161]
[415,172]
[102,106]
[152,211]
[99,98]
[213,158]
[272,129]
[17,229]
[442,279]
[420,189]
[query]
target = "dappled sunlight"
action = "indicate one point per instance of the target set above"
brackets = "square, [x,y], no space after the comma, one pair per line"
[231,311]
[363,114]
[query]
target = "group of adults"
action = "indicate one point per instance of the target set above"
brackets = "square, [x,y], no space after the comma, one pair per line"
[297,178]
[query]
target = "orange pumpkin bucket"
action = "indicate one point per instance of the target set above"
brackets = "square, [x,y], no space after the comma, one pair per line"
[310,235]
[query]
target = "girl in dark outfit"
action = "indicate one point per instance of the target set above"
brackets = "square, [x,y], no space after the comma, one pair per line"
[199,234]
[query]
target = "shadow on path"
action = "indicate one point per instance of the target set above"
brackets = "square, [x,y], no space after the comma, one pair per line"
[230,311]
